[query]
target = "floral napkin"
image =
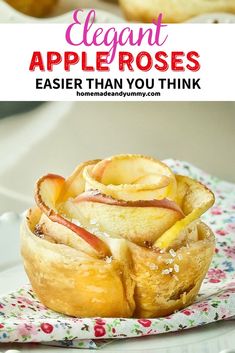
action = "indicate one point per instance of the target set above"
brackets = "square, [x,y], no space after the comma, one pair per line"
[24,319]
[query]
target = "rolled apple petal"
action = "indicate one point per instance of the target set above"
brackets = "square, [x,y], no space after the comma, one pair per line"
[131,177]
[96,196]
[75,183]
[153,179]
[63,235]
[48,189]
[127,192]
[161,181]
[141,222]
[194,199]
[127,169]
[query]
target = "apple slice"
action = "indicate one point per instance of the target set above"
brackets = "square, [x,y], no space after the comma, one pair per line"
[194,199]
[75,183]
[131,178]
[63,235]
[160,180]
[96,196]
[127,168]
[127,192]
[48,189]
[141,222]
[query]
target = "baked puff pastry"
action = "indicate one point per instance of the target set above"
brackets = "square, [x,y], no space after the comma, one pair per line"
[173,10]
[121,237]
[33,8]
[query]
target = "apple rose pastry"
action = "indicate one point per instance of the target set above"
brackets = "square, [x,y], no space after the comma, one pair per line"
[173,10]
[121,237]
[33,8]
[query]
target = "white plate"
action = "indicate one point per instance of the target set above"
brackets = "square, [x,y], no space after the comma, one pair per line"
[214,338]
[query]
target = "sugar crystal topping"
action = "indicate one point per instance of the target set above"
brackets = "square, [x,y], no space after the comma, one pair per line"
[172,253]
[176,268]
[108,259]
[167,271]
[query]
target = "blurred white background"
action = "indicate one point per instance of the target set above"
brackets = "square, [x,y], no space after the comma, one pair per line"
[55,137]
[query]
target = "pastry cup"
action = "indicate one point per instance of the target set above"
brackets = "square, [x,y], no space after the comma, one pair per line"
[134,282]
[68,281]
[170,281]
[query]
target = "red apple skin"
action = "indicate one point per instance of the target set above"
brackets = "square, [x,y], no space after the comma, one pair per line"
[90,238]
[96,196]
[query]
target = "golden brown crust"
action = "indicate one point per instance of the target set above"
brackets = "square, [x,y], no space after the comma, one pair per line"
[171,280]
[142,285]
[33,8]
[173,11]
[71,282]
